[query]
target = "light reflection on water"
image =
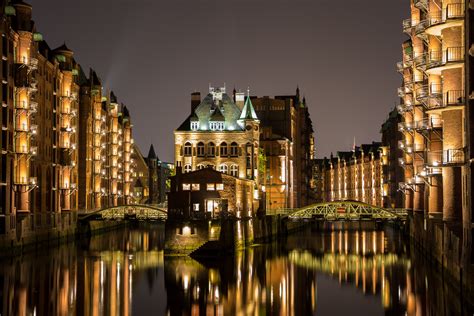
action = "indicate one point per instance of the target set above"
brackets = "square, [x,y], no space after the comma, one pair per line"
[324,273]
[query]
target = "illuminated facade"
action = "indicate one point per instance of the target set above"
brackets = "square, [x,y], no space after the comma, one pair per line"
[105,148]
[356,175]
[288,143]
[436,124]
[55,121]
[39,108]
[220,134]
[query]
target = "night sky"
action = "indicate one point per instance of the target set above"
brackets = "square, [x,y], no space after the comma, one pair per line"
[154,53]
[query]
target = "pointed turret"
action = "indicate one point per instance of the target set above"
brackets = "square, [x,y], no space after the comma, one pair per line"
[248,112]
[151,153]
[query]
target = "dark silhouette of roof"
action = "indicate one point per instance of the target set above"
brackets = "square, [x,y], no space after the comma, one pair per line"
[151,153]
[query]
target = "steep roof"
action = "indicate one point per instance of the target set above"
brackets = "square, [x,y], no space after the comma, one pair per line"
[151,153]
[248,112]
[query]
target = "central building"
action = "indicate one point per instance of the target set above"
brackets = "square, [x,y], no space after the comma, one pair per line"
[221,133]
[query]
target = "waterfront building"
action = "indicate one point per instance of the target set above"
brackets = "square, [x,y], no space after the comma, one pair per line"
[437,125]
[287,141]
[353,175]
[207,193]
[39,107]
[65,144]
[223,135]
[393,171]
[152,177]
[105,146]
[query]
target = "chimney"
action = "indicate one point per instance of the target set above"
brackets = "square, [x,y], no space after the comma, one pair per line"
[195,100]
[240,100]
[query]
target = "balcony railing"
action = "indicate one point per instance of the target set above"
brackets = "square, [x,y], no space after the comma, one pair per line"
[421,27]
[407,26]
[445,157]
[405,126]
[429,123]
[421,4]
[439,58]
[420,61]
[454,97]
[403,108]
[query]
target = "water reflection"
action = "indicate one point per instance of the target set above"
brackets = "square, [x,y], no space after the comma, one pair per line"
[125,272]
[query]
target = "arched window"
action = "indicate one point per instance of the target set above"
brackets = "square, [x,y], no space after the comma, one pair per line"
[234,149]
[200,149]
[211,166]
[211,149]
[234,171]
[223,149]
[200,166]
[223,168]
[188,149]
[187,168]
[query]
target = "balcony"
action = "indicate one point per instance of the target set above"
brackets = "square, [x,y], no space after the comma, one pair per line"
[451,57]
[421,27]
[432,171]
[407,26]
[448,98]
[447,157]
[430,95]
[405,126]
[428,124]
[421,4]
[404,163]
[33,64]
[403,108]
[420,61]
[451,16]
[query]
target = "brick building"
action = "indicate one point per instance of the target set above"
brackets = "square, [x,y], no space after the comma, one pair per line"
[220,134]
[207,193]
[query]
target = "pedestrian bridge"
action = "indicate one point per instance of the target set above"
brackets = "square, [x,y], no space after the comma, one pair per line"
[346,210]
[127,212]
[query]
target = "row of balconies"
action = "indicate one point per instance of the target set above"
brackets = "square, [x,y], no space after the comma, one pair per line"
[452,11]
[424,124]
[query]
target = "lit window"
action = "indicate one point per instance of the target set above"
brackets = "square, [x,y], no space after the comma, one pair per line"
[195,125]
[223,168]
[200,166]
[187,168]
[186,186]
[196,207]
[234,170]
[219,186]
[210,187]
[195,187]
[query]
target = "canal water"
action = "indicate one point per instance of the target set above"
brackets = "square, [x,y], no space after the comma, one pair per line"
[124,272]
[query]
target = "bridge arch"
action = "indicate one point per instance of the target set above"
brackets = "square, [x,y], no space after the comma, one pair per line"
[346,210]
[138,212]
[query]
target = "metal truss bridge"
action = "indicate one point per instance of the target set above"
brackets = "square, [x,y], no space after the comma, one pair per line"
[127,212]
[346,210]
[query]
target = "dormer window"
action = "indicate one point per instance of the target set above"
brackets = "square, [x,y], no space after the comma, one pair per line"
[194,125]
[216,126]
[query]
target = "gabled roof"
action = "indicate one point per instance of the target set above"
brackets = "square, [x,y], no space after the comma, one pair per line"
[248,112]
[63,48]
